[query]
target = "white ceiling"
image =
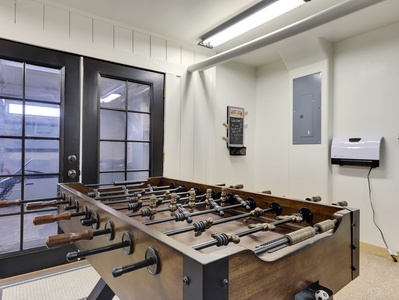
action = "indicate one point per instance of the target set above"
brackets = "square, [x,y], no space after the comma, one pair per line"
[186,20]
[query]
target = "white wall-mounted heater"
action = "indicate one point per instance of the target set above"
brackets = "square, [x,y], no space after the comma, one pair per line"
[356,151]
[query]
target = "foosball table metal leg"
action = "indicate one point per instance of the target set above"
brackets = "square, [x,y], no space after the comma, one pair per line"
[214,276]
[101,291]
[355,235]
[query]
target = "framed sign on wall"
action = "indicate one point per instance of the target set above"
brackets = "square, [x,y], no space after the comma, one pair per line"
[235,130]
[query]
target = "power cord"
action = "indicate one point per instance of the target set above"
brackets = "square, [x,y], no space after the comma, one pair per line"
[375,223]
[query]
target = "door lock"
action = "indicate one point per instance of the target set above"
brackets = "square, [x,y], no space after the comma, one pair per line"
[72,159]
[72,173]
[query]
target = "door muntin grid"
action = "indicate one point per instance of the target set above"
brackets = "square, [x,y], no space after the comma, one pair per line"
[30,140]
[124,130]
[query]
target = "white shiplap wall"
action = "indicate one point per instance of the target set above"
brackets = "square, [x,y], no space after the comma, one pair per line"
[45,24]
[49,25]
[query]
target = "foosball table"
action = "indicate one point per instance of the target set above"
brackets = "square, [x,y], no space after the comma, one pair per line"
[174,239]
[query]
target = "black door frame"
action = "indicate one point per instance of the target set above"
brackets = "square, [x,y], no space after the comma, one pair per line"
[38,258]
[92,70]
[71,106]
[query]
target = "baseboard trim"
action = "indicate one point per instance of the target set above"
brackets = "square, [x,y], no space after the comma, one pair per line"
[372,249]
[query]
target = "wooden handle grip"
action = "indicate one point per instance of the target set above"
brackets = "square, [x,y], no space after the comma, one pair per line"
[7,203]
[38,205]
[268,192]
[46,219]
[68,238]
[314,199]
[237,186]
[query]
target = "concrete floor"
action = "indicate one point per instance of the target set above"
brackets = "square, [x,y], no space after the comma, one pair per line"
[378,279]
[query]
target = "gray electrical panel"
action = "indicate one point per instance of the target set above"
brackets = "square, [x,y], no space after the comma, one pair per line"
[307,110]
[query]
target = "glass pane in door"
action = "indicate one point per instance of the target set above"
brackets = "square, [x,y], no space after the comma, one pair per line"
[42,156]
[30,139]
[138,156]
[113,125]
[138,127]
[112,156]
[139,97]
[35,236]
[10,117]
[42,120]
[11,75]
[10,238]
[112,93]
[43,83]
[10,170]
[138,176]
[124,130]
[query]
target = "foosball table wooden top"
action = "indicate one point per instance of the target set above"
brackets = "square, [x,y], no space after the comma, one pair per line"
[228,272]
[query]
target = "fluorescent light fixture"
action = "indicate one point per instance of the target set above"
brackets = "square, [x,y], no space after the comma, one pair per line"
[249,19]
[109,98]
[43,111]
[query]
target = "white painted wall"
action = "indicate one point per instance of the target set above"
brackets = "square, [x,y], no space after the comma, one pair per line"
[366,102]
[235,86]
[273,113]
[197,126]
[359,91]
[298,171]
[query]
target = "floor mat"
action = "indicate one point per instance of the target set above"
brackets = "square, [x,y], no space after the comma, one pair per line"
[72,283]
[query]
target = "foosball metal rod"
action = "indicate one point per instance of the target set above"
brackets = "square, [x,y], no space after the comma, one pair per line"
[151,261]
[133,198]
[187,216]
[126,192]
[304,233]
[275,208]
[159,202]
[126,244]
[118,271]
[137,214]
[117,183]
[126,189]
[222,239]
[173,199]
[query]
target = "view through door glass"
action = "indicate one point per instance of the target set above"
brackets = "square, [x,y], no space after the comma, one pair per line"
[30,106]
[124,130]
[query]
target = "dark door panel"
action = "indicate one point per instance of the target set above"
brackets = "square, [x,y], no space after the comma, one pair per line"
[123,113]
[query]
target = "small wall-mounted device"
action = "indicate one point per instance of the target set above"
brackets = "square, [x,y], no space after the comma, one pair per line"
[356,151]
[235,130]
